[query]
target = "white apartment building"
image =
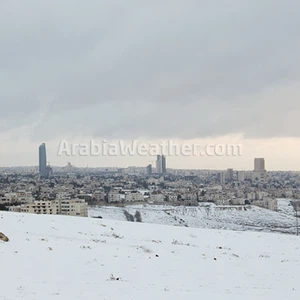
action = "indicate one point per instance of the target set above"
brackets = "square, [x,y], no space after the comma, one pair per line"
[9,198]
[68,207]
[63,195]
[40,207]
[114,197]
[20,196]
[26,198]
[134,196]
[272,204]
[72,207]
[157,197]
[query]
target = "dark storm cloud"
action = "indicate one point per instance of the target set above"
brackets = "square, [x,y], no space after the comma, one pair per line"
[183,69]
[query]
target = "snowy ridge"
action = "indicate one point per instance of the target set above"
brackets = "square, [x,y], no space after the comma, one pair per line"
[209,216]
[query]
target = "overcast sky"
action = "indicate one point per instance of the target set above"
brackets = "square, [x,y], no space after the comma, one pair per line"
[160,69]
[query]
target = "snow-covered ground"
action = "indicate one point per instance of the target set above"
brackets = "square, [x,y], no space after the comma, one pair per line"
[208,215]
[60,257]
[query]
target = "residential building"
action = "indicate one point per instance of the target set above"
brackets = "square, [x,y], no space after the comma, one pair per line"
[40,207]
[157,197]
[114,197]
[68,207]
[134,196]
[72,207]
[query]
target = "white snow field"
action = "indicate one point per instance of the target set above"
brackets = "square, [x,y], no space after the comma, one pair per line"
[208,215]
[60,257]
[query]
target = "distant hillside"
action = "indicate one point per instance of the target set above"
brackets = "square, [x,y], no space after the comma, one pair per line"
[208,215]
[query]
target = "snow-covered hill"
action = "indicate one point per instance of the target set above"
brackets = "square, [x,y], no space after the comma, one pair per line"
[208,215]
[59,257]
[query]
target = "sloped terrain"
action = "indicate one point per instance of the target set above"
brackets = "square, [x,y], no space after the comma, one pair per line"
[59,257]
[208,215]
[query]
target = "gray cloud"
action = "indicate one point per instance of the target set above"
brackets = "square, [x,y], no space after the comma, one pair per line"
[182,69]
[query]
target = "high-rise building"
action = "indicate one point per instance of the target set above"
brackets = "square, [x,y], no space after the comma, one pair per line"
[229,174]
[163,164]
[259,164]
[260,172]
[43,160]
[158,164]
[221,177]
[149,169]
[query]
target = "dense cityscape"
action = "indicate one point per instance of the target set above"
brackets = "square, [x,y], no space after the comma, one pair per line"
[69,190]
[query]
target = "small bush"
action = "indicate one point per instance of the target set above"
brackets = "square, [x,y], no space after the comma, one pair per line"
[128,216]
[138,216]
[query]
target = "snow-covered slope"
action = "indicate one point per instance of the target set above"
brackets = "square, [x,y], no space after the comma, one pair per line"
[57,257]
[208,215]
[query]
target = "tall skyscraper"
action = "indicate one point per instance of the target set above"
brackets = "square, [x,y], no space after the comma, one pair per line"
[43,160]
[260,172]
[163,164]
[259,164]
[158,164]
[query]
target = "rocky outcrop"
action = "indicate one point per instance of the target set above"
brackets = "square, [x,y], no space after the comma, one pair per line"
[3,237]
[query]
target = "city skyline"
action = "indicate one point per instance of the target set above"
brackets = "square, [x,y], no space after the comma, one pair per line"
[205,87]
[243,162]
[161,168]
